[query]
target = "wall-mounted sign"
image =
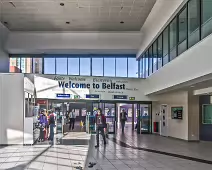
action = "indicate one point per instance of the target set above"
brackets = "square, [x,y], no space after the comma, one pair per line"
[177,112]
[76,97]
[131,98]
[120,97]
[92,96]
[63,95]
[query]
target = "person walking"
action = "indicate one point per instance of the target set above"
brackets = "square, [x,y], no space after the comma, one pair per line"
[42,124]
[100,121]
[51,126]
[72,117]
[123,119]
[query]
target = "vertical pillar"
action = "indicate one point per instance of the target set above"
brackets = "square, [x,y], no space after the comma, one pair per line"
[133,116]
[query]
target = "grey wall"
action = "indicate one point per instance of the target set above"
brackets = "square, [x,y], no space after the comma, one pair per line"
[4,57]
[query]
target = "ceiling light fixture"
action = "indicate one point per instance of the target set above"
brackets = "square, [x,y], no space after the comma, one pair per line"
[122,22]
[62,4]
[67,22]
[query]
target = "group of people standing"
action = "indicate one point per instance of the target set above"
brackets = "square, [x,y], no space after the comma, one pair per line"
[46,123]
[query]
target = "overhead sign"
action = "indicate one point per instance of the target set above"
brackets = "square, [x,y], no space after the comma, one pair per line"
[63,95]
[120,97]
[92,96]
[131,98]
[76,97]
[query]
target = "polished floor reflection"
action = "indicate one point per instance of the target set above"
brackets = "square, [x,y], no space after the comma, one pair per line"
[127,151]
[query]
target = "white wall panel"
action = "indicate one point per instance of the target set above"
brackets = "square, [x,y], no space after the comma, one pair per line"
[73,42]
[12,108]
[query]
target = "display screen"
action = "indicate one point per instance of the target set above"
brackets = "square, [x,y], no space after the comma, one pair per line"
[177,112]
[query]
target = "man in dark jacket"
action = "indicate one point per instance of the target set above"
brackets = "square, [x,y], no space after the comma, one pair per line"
[100,121]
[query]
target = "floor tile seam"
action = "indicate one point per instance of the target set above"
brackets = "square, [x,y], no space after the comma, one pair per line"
[161,152]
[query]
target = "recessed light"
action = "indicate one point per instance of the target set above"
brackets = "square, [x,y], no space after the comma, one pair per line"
[192,86]
[67,22]
[62,4]
[122,22]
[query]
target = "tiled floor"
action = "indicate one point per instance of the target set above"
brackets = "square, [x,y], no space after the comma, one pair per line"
[75,150]
[46,157]
[116,157]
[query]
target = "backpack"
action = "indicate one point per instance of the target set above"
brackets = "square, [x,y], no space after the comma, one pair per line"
[51,119]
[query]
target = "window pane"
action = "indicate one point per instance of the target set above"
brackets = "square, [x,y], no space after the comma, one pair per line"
[61,65]
[73,66]
[141,67]
[146,64]
[15,66]
[97,66]
[193,22]
[49,65]
[85,66]
[165,46]
[206,18]
[150,60]
[37,65]
[155,56]
[132,67]
[26,65]
[160,51]
[173,39]
[182,24]
[121,67]
[109,67]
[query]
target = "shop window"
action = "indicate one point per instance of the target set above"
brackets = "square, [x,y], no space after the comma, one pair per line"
[73,66]
[206,18]
[121,67]
[85,66]
[193,22]
[109,67]
[61,66]
[97,66]
[132,67]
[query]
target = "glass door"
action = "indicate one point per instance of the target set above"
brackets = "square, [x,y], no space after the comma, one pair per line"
[144,118]
[109,112]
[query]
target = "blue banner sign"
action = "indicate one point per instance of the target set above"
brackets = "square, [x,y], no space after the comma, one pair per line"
[120,97]
[63,95]
[92,96]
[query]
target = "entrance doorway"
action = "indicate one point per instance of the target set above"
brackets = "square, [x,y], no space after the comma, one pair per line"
[138,117]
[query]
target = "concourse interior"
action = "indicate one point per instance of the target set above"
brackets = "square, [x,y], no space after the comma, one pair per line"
[136,71]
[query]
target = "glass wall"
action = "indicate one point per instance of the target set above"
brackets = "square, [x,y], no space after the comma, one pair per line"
[109,67]
[190,25]
[97,67]
[173,39]
[73,66]
[85,65]
[121,67]
[206,17]
[182,34]
[166,46]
